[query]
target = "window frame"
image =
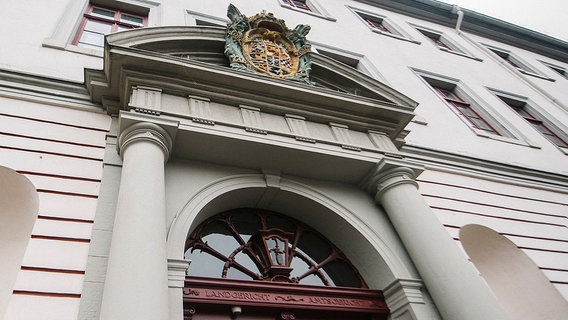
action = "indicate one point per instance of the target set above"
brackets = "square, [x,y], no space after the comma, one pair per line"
[315,8]
[444,43]
[66,28]
[465,109]
[438,39]
[299,4]
[515,62]
[528,111]
[392,30]
[193,18]
[354,60]
[116,22]
[561,71]
[508,133]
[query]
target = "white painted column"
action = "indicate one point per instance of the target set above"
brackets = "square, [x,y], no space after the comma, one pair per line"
[136,285]
[455,286]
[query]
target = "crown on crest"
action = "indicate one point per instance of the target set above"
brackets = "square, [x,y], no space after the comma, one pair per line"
[268,21]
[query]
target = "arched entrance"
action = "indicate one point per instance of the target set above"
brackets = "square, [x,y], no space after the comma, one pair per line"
[258,264]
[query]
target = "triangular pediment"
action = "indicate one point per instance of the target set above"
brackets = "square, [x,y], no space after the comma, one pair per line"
[190,61]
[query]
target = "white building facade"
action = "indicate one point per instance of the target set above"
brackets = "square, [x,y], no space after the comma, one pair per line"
[419,174]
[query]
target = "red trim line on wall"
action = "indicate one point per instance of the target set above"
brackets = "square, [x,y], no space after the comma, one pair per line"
[47,294]
[53,122]
[53,140]
[490,192]
[55,238]
[494,206]
[42,269]
[57,176]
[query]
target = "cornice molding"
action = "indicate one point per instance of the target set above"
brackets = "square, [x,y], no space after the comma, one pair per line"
[445,161]
[46,90]
[479,24]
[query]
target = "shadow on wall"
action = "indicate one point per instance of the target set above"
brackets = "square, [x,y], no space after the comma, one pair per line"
[519,285]
[18,211]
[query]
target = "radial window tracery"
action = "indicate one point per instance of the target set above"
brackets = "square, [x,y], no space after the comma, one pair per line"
[251,244]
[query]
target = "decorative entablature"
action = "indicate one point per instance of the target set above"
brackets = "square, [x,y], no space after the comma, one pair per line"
[181,75]
[264,44]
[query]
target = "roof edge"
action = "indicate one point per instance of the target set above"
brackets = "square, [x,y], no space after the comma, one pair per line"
[479,24]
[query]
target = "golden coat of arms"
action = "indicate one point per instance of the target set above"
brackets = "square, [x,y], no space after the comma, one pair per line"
[263,44]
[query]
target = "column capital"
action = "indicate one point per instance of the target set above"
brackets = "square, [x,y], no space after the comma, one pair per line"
[134,127]
[145,131]
[388,174]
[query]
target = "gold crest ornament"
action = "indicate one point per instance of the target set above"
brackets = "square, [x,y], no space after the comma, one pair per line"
[263,44]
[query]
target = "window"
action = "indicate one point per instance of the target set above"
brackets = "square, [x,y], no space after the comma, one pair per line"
[437,39]
[381,25]
[515,62]
[560,70]
[250,244]
[465,109]
[376,23]
[300,4]
[481,118]
[530,115]
[99,21]
[311,7]
[193,18]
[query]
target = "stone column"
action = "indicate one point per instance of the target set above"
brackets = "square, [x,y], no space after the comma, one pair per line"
[136,285]
[455,286]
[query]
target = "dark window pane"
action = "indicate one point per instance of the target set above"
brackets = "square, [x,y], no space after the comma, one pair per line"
[300,4]
[315,247]
[103,13]
[342,273]
[130,19]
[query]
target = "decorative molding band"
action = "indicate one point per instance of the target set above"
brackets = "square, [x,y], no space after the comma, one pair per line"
[145,131]
[298,127]
[382,142]
[46,91]
[146,98]
[252,119]
[200,110]
[495,171]
[177,269]
[147,111]
[342,134]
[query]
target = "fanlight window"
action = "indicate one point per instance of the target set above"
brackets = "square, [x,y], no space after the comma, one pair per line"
[250,244]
